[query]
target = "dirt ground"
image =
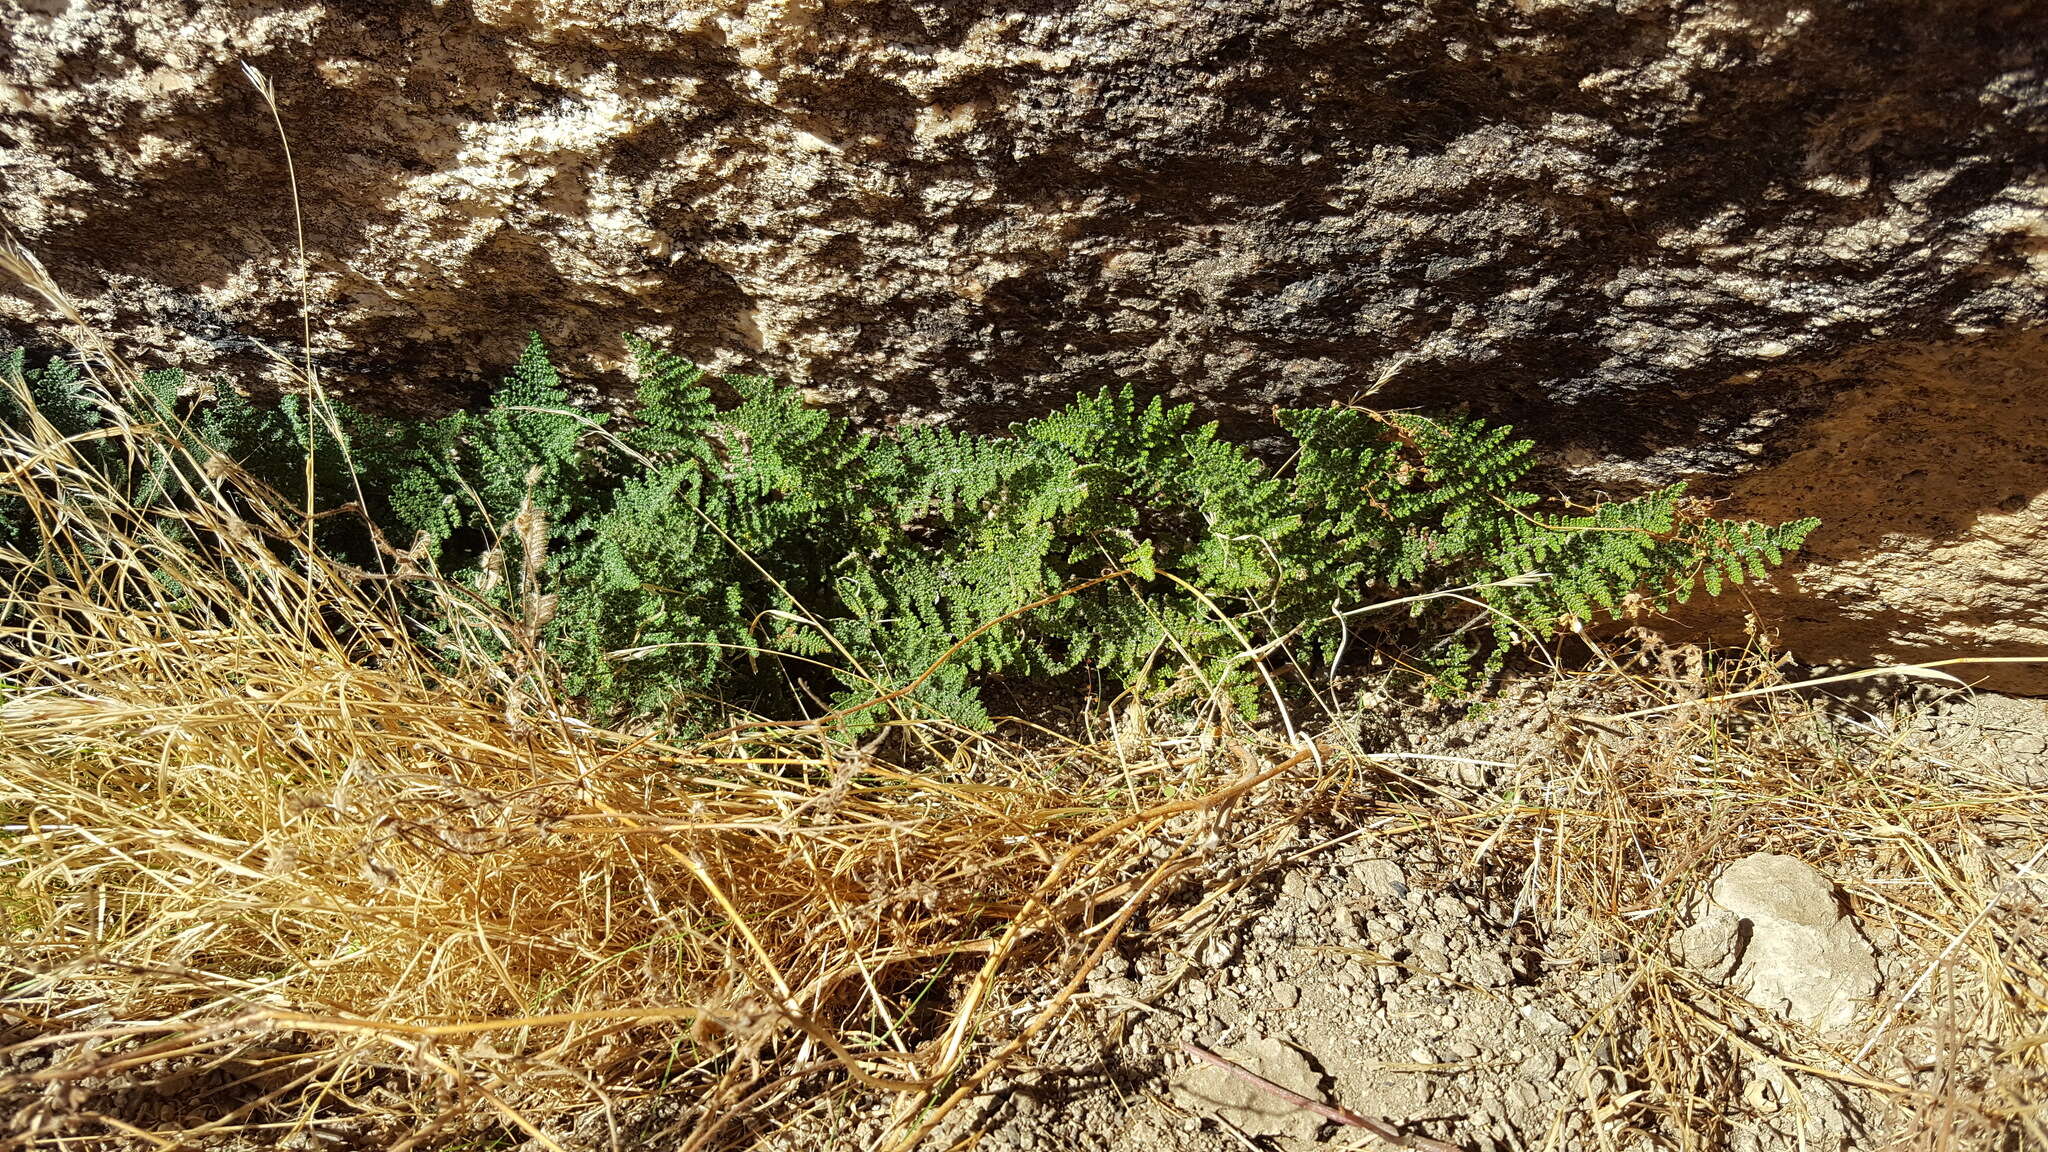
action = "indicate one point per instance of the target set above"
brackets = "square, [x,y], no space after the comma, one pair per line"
[1813,927]
[1417,970]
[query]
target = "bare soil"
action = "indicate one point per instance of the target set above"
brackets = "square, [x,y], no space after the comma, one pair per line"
[1416,970]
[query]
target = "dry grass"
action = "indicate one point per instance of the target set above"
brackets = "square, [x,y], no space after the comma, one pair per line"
[1609,843]
[1607,835]
[261,847]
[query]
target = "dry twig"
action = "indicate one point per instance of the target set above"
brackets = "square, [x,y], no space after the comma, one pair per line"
[1331,1112]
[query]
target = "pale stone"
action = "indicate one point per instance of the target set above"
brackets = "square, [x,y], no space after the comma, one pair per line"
[1775,928]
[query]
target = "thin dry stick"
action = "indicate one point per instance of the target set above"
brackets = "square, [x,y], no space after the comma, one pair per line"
[1331,1112]
[1047,1014]
[1961,934]
[1927,669]
[263,87]
[1116,924]
[1020,923]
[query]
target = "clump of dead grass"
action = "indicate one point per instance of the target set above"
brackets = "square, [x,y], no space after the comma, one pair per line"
[260,846]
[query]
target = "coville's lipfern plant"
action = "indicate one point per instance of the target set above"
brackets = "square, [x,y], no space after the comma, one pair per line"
[761,552]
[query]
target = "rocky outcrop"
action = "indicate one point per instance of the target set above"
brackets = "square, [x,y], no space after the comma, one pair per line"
[1675,239]
[1931,467]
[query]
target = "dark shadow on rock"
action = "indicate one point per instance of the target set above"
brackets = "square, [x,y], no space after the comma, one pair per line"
[1930,474]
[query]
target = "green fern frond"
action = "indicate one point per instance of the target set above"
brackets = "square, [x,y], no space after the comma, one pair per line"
[675,412]
[56,390]
[768,554]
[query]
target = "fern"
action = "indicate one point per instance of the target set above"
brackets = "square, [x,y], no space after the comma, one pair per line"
[675,410]
[767,554]
[656,585]
[524,447]
[55,390]
[57,393]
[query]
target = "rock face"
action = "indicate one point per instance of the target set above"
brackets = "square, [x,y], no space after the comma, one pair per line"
[1930,468]
[1669,238]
